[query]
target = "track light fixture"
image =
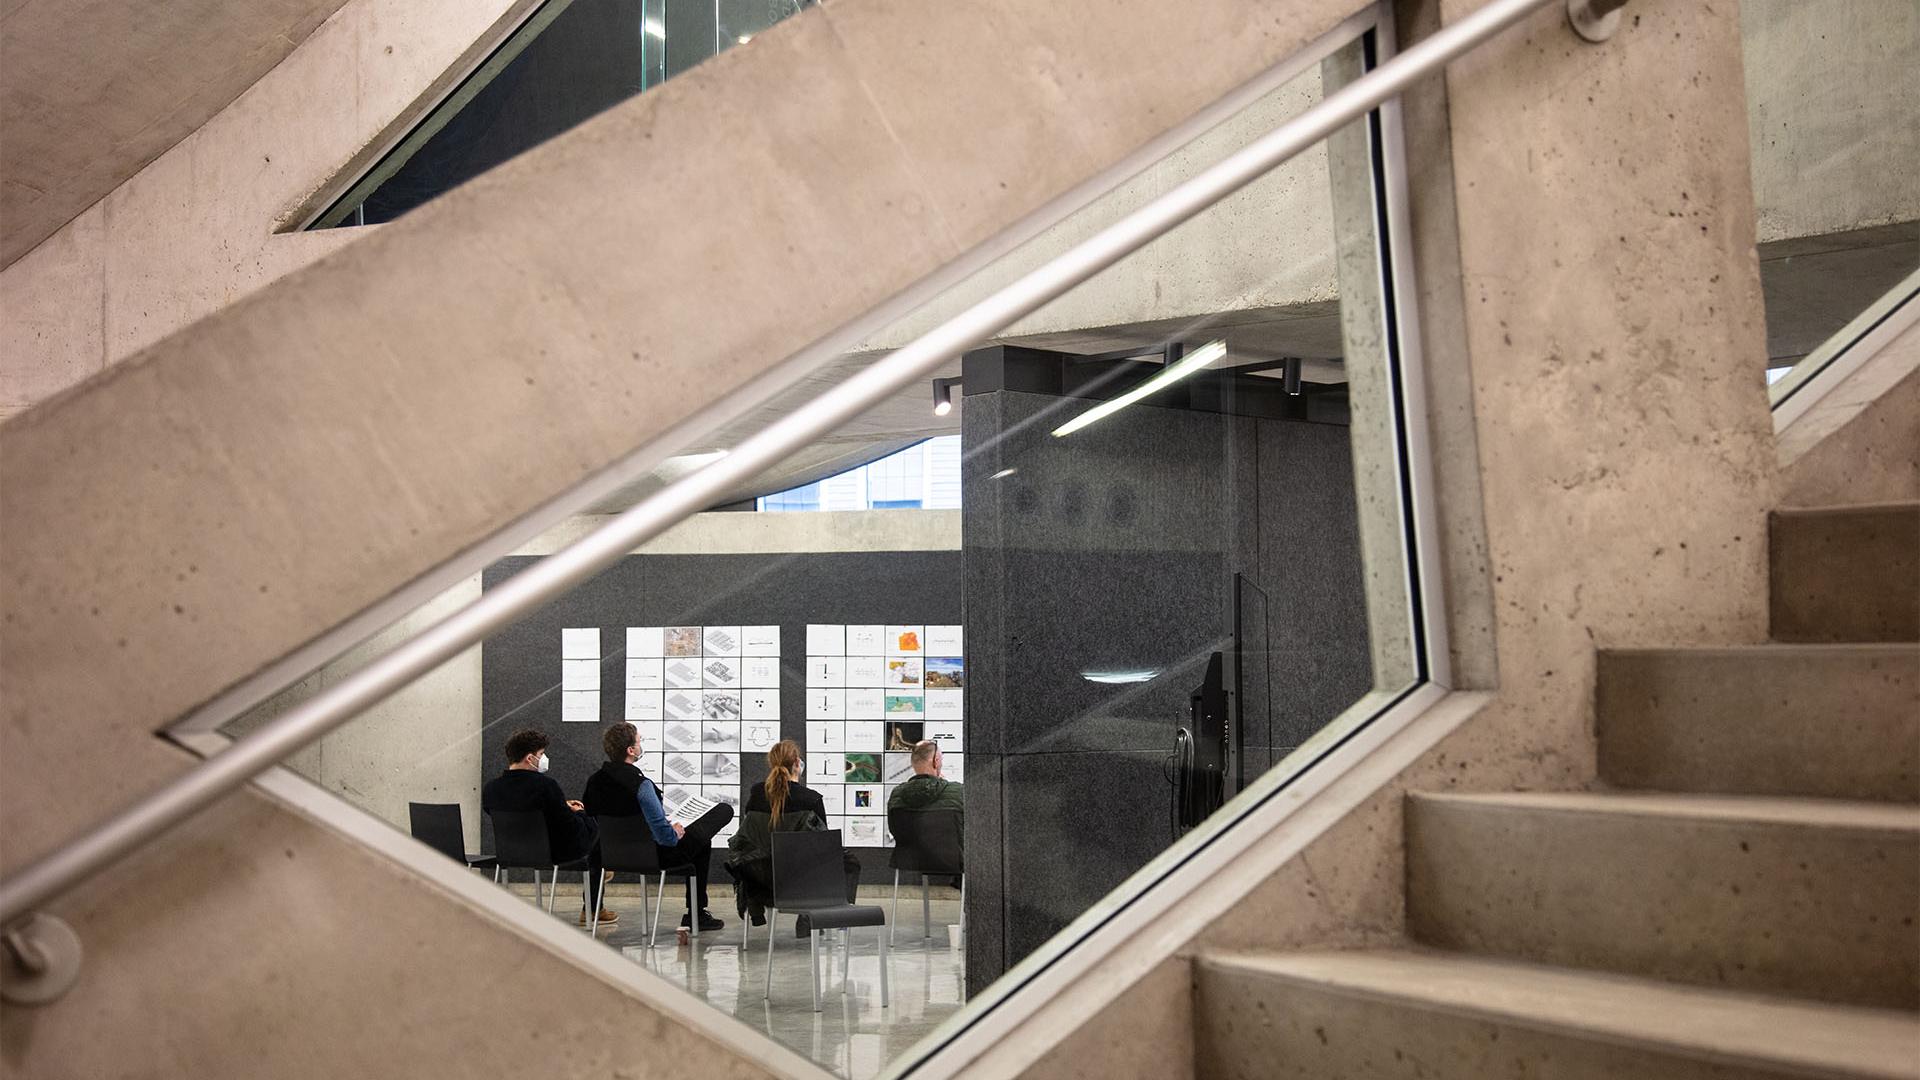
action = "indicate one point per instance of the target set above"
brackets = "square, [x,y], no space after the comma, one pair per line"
[943,396]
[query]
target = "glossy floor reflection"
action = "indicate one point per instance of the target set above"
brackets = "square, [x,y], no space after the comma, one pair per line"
[851,1035]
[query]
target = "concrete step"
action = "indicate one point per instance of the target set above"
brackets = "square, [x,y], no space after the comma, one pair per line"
[1391,1015]
[1846,573]
[1816,898]
[1830,721]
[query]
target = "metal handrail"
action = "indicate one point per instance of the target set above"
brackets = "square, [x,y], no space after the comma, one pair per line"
[259,750]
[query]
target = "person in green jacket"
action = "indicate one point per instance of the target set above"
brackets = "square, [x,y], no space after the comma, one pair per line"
[926,790]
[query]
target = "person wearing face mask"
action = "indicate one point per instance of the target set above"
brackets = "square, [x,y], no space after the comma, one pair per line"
[526,787]
[620,789]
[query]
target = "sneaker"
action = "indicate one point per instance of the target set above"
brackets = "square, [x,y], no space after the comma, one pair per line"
[607,918]
[707,921]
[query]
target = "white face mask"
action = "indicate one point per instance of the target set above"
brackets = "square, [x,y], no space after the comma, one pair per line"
[799,769]
[542,766]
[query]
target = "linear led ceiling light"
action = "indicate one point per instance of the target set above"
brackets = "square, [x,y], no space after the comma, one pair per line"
[1172,373]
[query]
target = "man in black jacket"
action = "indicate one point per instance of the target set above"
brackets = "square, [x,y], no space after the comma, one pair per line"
[525,787]
[620,789]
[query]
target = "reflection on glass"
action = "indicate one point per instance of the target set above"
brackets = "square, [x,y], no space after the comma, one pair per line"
[1180,558]
[1831,101]
[570,60]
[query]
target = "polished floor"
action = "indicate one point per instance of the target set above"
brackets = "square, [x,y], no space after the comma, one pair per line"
[851,1035]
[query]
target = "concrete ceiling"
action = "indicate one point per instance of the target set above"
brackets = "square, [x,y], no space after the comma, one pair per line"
[93,90]
[1311,331]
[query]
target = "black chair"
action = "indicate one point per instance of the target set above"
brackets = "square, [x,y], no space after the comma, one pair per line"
[520,843]
[438,826]
[627,847]
[809,878]
[927,842]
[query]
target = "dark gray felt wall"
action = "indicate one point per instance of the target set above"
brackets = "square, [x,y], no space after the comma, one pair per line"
[1115,549]
[520,667]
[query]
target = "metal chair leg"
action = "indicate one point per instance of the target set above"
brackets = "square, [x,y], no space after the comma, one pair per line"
[884,1000]
[659,901]
[926,908]
[846,960]
[536,888]
[586,901]
[693,920]
[553,886]
[813,937]
[896,905]
[773,923]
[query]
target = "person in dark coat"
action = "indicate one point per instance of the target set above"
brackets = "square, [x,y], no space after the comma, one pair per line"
[620,789]
[525,787]
[780,803]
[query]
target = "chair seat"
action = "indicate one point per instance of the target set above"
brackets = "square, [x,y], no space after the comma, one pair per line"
[481,862]
[846,915]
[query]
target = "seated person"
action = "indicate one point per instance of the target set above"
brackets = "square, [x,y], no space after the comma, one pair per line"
[525,787]
[926,789]
[620,789]
[781,803]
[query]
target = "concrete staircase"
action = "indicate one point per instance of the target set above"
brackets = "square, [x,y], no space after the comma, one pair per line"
[1739,897]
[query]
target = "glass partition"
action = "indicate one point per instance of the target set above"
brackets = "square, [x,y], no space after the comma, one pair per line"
[1831,103]
[569,60]
[1178,558]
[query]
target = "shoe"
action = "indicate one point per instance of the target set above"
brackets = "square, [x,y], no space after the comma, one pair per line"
[607,918]
[707,921]
[759,918]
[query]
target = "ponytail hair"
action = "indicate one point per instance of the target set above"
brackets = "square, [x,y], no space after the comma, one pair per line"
[783,766]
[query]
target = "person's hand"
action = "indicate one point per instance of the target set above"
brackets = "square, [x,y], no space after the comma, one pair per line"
[679,830]
[576,806]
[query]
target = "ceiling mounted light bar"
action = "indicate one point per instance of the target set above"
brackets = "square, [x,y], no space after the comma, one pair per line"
[1172,373]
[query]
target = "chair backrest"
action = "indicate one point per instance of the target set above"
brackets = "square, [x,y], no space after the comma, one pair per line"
[438,826]
[520,839]
[627,845]
[927,841]
[808,870]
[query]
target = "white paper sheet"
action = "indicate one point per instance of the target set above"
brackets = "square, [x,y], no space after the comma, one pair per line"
[760,672]
[948,733]
[579,706]
[720,641]
[646,641]
[826,671]
[826,704]
[580,643]
[645,705]
[760,705]
[645,673]
[867,735]
[906,641]
[866,640]
[945,641]
[760,641]
[826,639]
[579,674]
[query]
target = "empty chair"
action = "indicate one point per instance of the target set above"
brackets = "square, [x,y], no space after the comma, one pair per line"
[520,843]
[927,842]
[626,846]
[438,826]
[809,878]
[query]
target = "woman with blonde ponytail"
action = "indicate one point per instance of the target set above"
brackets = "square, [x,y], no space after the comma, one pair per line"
[782,803]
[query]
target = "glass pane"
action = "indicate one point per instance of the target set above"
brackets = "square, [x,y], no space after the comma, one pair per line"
[1831,102]
[571,60]
[1152,558]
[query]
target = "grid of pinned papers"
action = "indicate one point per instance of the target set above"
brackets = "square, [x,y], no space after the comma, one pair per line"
[700,696]
[873,690]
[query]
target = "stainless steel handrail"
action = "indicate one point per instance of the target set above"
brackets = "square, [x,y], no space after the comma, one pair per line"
[265,746]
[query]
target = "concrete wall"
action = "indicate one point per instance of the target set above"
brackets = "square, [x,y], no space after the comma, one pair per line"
[1832,101]
[1607,521]
[194,231]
